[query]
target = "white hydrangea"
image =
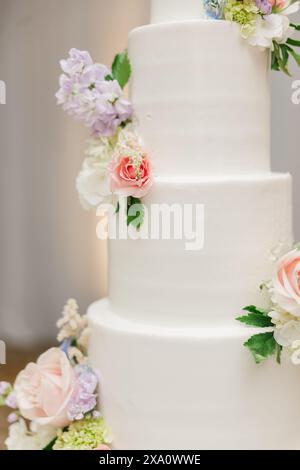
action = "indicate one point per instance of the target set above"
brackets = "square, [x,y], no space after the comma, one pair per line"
[288,333]
[35,438]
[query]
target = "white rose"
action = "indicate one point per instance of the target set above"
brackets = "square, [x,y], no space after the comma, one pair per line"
[287,334]
[37,438]
[92,183]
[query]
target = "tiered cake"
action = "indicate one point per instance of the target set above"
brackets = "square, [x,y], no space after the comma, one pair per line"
[174,373]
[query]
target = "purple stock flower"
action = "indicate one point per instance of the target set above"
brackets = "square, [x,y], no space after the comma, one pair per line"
[11,401]
[87,96]
[4,386]
[76,62]
[264,7]
[84,398]
[12,418]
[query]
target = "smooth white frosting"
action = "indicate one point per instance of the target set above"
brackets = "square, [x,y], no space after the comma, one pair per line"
[169,388]
[159,282]
[202,98]
[176,10]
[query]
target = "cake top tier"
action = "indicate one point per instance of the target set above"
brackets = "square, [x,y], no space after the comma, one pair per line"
[163,11]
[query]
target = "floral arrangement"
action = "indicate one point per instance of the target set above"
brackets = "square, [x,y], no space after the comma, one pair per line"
[53,402]
[263,23]
[282,318]
[116,163]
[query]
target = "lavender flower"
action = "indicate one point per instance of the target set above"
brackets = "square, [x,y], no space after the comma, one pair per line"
[76,62]
[264,7]
[11,401]
[87,96]
[4,387]
[84,398]
[12,418]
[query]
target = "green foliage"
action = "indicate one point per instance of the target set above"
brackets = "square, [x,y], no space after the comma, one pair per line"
[135,212]
[282,52]
[261,346]
[121,69]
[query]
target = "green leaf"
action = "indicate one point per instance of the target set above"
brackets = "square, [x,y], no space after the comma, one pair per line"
[2,401]
[261,346]
[294,54]
[278,353]
[274,63]
[253,309]
[255,319]
[295,26]
[293,42]
[121,68]
[135,216]
[50,445]
[280,59]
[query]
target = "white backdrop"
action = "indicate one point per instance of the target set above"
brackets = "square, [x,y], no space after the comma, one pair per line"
[48,245]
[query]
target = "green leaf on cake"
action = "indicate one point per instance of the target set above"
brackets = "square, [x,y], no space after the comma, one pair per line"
[278,353]
[280,58]
[261,346]
[295,26]
[293,42]
[121,69]
[294,55]
[255,319]
[135,212]
[254,309]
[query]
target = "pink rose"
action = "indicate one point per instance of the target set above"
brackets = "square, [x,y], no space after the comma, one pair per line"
[280,4]
[286,283]
[43,390]
[130,176]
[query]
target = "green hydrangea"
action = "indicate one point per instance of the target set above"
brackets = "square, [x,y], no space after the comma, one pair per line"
[87,434]
[244,13]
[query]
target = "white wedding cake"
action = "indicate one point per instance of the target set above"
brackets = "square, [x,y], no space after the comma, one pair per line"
[174,373]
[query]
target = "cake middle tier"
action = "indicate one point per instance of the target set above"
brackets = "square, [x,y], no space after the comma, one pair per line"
[201,96]
[246,219]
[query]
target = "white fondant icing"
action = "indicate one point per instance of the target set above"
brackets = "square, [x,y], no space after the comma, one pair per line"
[159,282]
[169,388]
[201,94]
[176,10]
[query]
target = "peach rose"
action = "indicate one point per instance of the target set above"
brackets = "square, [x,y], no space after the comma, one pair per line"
[277,3]
[43,389]
[286,283]
[130,175]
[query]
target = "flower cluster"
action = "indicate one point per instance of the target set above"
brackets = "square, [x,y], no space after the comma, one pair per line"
[115,163]
[56,397]
[263,23]
[282,318]
[89,94]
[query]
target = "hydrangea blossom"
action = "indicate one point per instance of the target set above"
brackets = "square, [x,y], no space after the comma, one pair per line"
[87,434]
[84,398]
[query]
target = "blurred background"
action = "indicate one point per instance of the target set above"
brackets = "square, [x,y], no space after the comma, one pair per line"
[48,246]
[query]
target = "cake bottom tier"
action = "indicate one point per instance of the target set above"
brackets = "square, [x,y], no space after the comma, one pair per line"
[198,388]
